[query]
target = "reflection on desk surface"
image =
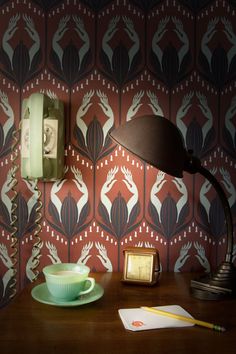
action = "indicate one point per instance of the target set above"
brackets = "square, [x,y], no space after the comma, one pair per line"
[30,326]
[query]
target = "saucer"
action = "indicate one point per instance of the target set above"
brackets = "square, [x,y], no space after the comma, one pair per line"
[40,293]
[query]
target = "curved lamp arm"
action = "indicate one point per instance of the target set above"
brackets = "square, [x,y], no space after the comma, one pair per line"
[193,165]
[228,216]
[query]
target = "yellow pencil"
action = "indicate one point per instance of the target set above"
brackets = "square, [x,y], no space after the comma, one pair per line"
[186,319]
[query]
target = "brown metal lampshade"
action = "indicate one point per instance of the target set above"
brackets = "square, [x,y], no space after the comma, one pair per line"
[159,142]
[155,140]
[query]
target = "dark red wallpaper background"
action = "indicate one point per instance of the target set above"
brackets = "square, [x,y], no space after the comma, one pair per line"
[109,62]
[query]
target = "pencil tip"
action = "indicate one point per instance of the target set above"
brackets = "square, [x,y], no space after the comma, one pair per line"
[219,328]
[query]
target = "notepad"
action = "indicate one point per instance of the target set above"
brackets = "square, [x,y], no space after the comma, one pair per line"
[137,319]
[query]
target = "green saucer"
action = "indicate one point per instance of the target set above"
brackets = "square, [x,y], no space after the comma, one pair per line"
[40,293]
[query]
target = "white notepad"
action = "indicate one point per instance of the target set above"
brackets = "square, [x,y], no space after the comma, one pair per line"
[137,319]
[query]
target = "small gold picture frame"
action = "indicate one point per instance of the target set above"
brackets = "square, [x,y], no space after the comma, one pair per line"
[141,265]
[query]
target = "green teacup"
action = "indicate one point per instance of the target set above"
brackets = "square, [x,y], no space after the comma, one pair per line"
[67,281]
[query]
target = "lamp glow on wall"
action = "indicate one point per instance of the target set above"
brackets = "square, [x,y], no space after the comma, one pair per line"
[159,142]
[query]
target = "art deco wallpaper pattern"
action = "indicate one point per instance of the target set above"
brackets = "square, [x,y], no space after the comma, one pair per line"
[109,62]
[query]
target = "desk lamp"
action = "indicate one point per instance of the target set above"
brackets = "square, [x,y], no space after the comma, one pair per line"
[159,142]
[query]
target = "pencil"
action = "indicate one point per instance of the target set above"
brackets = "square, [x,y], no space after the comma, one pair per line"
[184,318]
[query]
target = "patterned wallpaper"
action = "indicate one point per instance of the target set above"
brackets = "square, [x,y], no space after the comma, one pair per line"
[109,62]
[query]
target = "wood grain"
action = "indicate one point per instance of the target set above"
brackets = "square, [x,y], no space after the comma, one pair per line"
[27,326]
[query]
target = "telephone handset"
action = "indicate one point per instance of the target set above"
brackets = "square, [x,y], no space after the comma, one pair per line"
[42,138]
[42,158]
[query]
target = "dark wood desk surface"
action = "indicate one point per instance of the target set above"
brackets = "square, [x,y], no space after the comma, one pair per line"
[27,326]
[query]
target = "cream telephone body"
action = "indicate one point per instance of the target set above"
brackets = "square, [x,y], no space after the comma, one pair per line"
[42,138]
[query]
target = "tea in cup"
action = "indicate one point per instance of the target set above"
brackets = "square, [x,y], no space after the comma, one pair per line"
[67,281]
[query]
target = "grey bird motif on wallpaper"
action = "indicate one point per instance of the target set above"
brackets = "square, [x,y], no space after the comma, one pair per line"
[132,188]
[229,186]
[82,110]
[156,187]
[106,187]
[181,34]
[28,206]
[80,184]
[121,59]
[231,36]
[218,63]
[206,39]
[208,206]
[108,35]
[161,29]
[69,223]
[133,36]
[56,201]
[154,104]
[134,107]
[119,215]
[201,133]
[177,208]
[107,110]
[7,261]
[33,34]
[201,256]
[229,126]
[8,127]
[84,256]
[184,196]
[102,256]
[184,256]
[33,262]
[32,201]
[7,109]
[61,57]
[170,59]
[6,203]
[181,113]
[85,132]
[53,254]
[203,191]
[8,35]
[207,126]
[136,104]
[58,35]
[83,35]
[21,61]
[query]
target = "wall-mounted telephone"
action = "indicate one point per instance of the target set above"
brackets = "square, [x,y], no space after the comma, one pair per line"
[42,158]
[42,138]
[42,154]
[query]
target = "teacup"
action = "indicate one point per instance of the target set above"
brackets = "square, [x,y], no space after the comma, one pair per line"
[67,281]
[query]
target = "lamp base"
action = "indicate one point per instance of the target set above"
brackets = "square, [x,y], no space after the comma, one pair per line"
[216,286]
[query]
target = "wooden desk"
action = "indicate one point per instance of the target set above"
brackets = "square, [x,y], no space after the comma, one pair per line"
[27,326]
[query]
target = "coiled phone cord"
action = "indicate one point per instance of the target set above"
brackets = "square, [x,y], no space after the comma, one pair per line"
[38,242]
[14,219]
[14,207]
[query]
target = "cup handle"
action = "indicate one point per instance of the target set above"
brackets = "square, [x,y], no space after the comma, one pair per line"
[92,281]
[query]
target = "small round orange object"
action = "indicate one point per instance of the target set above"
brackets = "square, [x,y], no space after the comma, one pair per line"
[137,323]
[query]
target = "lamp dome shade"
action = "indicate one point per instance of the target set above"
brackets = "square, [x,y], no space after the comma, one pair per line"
[155,140]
